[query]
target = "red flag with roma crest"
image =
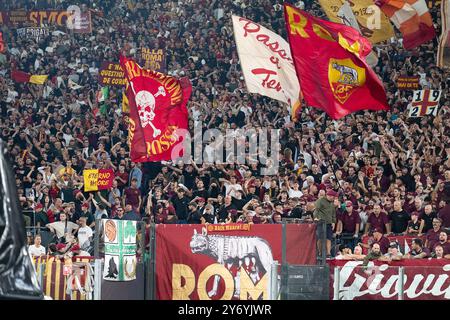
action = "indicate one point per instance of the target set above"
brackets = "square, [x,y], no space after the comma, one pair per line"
[158,114]
[331,67]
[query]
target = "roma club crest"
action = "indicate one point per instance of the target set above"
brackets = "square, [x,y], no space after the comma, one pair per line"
[345,77]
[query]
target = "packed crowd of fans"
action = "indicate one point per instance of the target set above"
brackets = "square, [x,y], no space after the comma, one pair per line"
[382,172]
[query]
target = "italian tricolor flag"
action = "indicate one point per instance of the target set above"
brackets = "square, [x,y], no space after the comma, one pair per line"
[103,94]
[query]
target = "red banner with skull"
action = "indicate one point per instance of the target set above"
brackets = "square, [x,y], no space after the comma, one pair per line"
[194,262]
[158,115]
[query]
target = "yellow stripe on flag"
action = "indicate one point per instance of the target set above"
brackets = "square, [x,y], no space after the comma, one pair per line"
[57,279]
[48,276]
[90,180]
[38,79]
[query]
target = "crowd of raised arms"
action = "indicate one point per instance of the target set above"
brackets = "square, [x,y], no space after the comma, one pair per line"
[382,171]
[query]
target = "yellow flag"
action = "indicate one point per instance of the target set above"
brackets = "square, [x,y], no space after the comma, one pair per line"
[374,25]
[90,180]
[38,79]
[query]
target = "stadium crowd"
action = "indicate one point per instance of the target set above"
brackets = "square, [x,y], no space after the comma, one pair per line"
[379,172]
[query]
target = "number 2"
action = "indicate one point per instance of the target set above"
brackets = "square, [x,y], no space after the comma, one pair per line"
[414,112]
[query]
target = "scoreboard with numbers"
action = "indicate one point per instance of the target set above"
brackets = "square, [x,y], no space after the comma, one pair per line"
[425,102]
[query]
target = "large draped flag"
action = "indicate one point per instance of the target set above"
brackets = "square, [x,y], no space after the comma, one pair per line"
[331,66]
[267,63]
[373,24]
[412,18]
[158,114]
[443,53]
[20,76]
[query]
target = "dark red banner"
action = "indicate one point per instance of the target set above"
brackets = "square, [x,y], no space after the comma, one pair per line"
[158,114]
[193,263]
[408,83]
[111,74]
[424,279]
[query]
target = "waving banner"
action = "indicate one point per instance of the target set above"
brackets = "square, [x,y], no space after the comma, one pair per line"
[199,263]
[266,62]
[120,250]
[98,179]
[338,79]
[425,102]
[373,24]
[424,279]
[158,115]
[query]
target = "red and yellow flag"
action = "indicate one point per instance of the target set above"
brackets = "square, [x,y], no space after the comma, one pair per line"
[331,65]
[20,76]
[158,114]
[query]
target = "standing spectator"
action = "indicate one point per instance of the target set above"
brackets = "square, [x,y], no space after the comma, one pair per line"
[326,212]
[132,196]
[84,234]
[135,174]
[432,236]
[180,203]
[63,227]
[377,220]
[348,226]
[399,219]
[36,249]
[427,217]
[444,215]
[415,226]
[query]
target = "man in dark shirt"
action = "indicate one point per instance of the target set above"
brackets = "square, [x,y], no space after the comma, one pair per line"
[432,236]
[417,250]
[208,214]
[427,216]
[180,203]
[194,215]
[132,196]
[444,215]
[224,211]
[348,225]
[443,242]
[200,191]
[399,219]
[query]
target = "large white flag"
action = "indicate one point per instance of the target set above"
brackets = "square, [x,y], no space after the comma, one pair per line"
[266,62]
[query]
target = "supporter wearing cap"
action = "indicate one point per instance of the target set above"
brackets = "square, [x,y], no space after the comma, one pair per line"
[326,211]
[86,213]
[348,225]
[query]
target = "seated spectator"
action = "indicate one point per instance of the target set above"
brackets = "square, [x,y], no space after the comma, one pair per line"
[379,239]
[36,249]
[392,254]
[344,252]
[418,251]
[374,254]
[443,242]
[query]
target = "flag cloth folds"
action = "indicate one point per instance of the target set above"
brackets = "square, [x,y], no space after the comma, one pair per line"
[374,29]
[158,114]
[412,18]
[266,63]
[20,76]
[443,53]
[331,66]
[2,43]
